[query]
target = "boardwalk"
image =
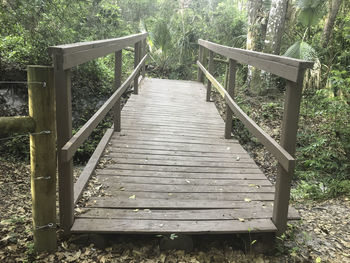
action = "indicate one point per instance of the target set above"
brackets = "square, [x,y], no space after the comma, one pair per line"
[170,170]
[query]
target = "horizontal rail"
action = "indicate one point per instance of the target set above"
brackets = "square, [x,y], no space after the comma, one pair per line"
[71,55]
[78,139]
[9,125]
[288,68]
[284,158]
[90,166]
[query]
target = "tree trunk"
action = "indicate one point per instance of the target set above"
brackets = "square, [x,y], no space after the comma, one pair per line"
[257,24]
[334,6]
[274,32]
[275,26]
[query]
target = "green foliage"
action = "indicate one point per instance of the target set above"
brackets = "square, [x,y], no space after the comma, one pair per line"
[301,50]
[311,11]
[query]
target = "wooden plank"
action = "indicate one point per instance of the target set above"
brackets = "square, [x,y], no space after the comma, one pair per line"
[78,139]
[234,149]
[200,124]
[182,163]
[284,67]
[87,225]
[184,169]
[173,139]
[128,151]
[91,165]
[215,176]
[181,215]
[189,196]
[169,133]
[180,181]
[170,117]
[172,127]
[146,203]
[75,54]
[189,188]
[154,157]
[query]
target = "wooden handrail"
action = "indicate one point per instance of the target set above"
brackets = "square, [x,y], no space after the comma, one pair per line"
[64,58]
[285,67]
[284,158]
[71,55]
[69,149]
[293,71]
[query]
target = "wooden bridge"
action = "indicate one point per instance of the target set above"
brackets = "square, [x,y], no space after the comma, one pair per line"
[171,165]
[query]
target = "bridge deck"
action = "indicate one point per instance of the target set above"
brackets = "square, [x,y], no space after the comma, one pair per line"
[170,170]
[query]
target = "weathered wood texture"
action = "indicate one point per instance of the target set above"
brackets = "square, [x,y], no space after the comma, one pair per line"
[22,124]
[72,55]
[286,160]
[288,68]
[43,157]
[170,170]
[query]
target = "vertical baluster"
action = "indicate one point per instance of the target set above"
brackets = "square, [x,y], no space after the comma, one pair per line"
[231,90]
[117,83]
[136,62]
[210,69]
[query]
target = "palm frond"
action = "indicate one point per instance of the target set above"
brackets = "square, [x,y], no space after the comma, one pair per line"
[301,50]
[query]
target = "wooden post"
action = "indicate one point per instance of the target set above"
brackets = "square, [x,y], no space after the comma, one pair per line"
[144,45]
[231,91]
[43,157]
[117,83]
[288,142]
[136,62]
[64,133]
[200,75]
[9,125]
[210,69]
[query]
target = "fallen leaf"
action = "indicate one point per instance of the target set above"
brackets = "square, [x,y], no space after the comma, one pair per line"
[132,197]
[247,199]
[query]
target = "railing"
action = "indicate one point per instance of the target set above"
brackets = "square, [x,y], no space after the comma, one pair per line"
[290,69]
[64,58]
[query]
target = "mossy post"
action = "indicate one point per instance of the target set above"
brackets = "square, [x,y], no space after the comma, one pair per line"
[41,96]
